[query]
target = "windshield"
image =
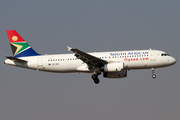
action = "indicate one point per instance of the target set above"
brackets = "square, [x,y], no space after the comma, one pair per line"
[164,54]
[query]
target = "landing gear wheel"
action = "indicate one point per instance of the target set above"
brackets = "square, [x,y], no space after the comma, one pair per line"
[96,81]
[95,78]
[154,76]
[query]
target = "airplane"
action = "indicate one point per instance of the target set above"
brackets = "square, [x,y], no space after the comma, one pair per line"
[113,64]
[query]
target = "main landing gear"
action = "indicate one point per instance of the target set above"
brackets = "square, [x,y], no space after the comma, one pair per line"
[153,75]
[95,78]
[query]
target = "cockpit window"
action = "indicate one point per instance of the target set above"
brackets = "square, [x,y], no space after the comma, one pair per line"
[164,54]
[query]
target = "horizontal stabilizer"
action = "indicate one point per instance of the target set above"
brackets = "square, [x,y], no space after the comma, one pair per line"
[15,59]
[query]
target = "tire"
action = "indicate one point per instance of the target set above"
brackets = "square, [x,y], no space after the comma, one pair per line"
[94,76]
[96,81]
[153,76]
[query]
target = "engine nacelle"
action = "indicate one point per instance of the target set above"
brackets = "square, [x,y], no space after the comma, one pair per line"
[113,67]
[122,74]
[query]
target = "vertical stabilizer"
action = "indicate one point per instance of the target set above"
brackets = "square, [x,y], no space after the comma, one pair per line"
[19,46]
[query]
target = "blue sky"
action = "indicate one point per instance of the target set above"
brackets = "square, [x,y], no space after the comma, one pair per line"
[91,26]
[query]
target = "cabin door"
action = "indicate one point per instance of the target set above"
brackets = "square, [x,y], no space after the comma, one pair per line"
[153,56]
[39,62]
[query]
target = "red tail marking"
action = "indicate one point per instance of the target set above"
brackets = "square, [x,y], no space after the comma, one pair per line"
[14,36]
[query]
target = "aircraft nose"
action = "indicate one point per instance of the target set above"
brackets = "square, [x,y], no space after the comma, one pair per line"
[173,60]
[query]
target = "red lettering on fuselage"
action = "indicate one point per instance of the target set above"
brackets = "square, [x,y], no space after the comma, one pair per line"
[135,59]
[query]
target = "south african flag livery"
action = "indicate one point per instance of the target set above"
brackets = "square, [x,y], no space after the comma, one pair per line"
[19,46]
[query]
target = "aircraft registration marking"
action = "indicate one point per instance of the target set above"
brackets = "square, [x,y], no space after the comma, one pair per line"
[53,63]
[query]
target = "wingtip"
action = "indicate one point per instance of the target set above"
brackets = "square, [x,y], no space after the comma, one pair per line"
[69,48]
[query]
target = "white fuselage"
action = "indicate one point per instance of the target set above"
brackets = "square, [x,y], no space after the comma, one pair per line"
[62,63]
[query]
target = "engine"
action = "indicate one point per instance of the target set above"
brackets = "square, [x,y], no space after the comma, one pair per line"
[113,67]
[122,74]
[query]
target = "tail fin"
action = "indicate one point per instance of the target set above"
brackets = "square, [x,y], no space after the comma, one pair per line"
[19,46]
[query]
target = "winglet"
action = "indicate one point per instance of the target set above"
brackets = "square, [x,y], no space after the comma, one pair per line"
[69,48]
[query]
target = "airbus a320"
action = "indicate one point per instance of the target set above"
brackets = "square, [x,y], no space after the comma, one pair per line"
[113,64]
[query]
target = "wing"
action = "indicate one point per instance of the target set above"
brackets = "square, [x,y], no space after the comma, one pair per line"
[90,60]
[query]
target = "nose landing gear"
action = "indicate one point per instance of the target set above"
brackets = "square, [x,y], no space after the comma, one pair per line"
[153,75]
